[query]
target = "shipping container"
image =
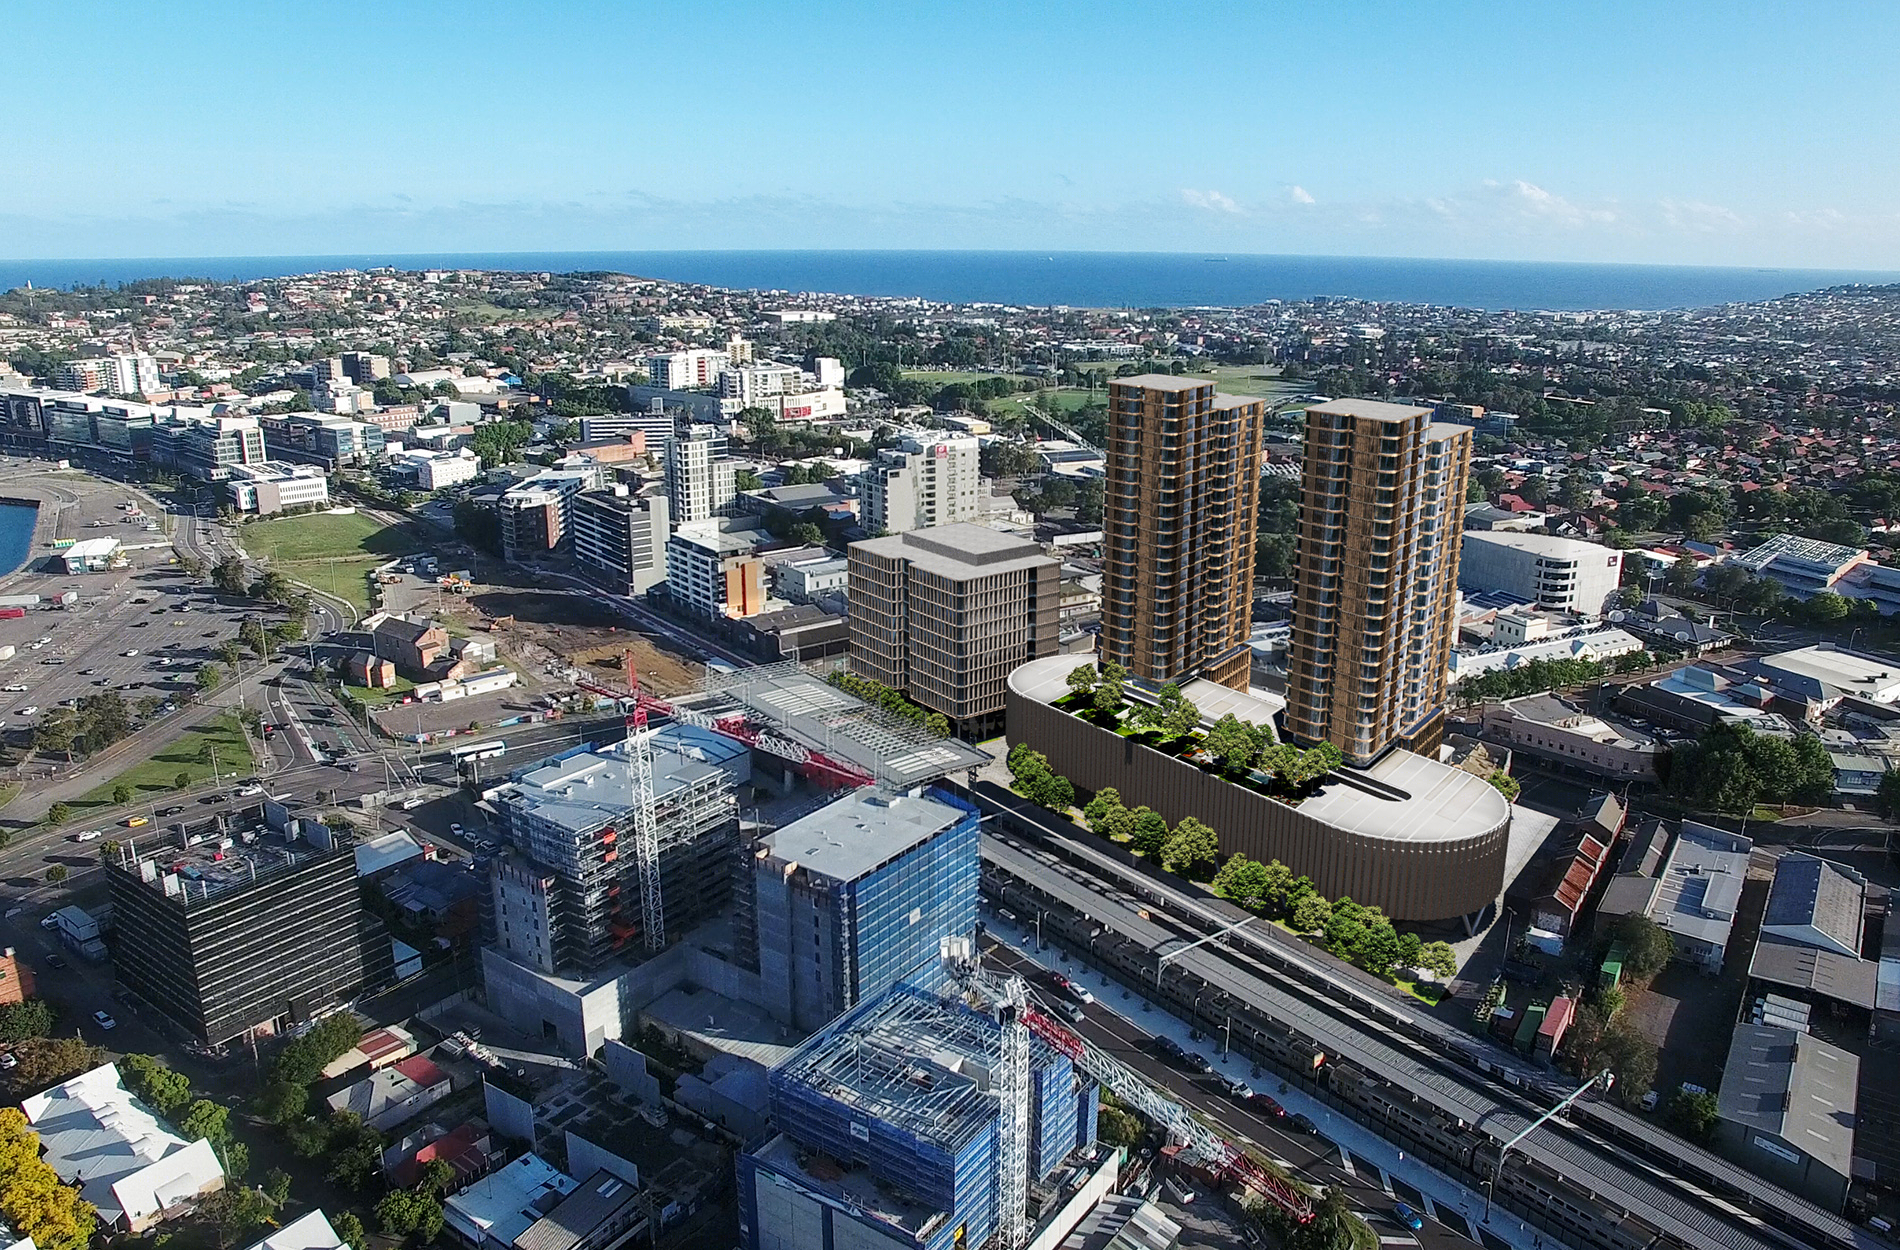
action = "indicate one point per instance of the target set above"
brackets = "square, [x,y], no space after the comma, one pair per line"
[11,614]
[19,601]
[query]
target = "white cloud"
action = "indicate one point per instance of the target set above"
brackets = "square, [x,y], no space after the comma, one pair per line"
[1696,216]
[1214,201]
[1300,195]
[1533,200]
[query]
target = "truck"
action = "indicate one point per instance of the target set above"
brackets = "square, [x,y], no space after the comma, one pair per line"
[11,614]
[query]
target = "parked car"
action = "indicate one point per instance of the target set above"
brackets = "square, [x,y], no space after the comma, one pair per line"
[49,922]
[104,1020]
[1237,1089]
[1268,1107]
[1408,1217]
[1305,1124]
[1072,1012]
[56,962]
[8,1061]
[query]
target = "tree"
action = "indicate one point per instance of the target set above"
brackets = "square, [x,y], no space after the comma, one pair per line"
[182,781]
[33,1201]
[477,524]
[209,678]
[277,1187]
[1438,958]
[1887,798]
[1310,914]
[1191,845]
[1648,946]
[1233,741]
[56,874]
[281,1102]
[206,1119]
[164,1090]
[235,1213]
[1380,952]
[1243,881]
[1147,832]
[1081,682]
[403,1212]
[1178,714]
[1051,790]
[47,1061]
[1106,815]
[1115,1127]
[1506,785]
[59,813]
[438,1177]
[1108,687]
[1411,949]
[121,794]
[252,634]
[350,1230]
[57,731]
[228,577]
[746,479]
[30,1017]
[303,1059]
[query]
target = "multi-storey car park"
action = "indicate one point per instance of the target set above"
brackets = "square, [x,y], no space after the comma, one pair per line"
[1605,1180]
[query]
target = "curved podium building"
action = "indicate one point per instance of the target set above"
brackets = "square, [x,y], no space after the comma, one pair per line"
[1419,839]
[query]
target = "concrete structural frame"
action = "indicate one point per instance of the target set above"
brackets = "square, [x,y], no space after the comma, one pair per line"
[1375,607]
[1180,508]
[944,614]
[1418,839]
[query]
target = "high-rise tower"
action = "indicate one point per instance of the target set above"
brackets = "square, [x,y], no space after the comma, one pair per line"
[1179,510]
[1376,597]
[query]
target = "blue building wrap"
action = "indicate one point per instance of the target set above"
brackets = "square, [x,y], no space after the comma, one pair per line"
[899,912]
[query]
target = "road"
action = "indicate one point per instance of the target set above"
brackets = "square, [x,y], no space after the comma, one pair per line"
[1311,1158]
[204,540]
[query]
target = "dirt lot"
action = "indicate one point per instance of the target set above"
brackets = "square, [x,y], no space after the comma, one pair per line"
[558,629]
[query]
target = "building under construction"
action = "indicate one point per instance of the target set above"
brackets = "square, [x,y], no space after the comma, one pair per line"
[567,895]
[890,1132]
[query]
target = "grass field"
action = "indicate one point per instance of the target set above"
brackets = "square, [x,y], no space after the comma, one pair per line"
[372,696]
[158,776]
[325,536]
[945,377]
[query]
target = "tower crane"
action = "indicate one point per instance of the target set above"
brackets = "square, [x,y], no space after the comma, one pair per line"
[1018,1017]
[646,822]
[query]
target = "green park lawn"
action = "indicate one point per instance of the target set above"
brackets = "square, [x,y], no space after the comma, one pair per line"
[372,696]
[948,377]
[155,777]
[325,536]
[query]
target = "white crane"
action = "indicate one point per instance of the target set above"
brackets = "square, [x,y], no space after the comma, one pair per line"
[1008,996]
[646,830]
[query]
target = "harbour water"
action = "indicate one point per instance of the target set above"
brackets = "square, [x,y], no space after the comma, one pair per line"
[1081,279]
[17,522]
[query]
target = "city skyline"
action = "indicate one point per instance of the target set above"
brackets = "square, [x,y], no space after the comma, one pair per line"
[1006,128]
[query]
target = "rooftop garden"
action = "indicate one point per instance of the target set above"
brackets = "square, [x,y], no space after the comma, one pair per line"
[1238,751]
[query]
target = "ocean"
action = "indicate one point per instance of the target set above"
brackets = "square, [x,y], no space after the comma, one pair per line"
[1081,279]
[17,522]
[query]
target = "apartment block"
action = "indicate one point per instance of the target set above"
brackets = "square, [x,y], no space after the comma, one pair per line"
[1376,589]
[701,480]
[1180,507]
[365,368]
[536,514]
[693,369]
[711,569]
[129,373]
[944,614]
[921,482]
[620,539]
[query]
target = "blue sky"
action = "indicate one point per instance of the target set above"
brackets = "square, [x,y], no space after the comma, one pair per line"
[1740,133]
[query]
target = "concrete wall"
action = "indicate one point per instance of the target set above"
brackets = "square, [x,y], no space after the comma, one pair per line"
[510,1116]
[1412,881]
[627,1068]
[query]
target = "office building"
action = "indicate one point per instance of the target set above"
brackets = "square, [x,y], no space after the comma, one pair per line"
[923,481]
[235,937]
[855,897]
[620,539]
[271,487]
[326,439]
[130,1165]
[712,568]
[536,513]
[889,1125]
[1560,574]
[1180,507]
[567,897]
[696,368]
[701,479]
[944,614]
[207,447]
[803,581]
[1375,608]
[435,470]
[129,373]
[365,368]
[118,425]
[651,421]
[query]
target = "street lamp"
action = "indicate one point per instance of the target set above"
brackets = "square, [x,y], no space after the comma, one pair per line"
[1606,1078]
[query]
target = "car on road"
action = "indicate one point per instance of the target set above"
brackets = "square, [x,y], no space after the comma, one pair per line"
[455,831]
[245,792]
[1170,1049]
[54,660]
[49,922]
[133,822]
[488,845]
[129,654]
[140,624]
[173,810]
[1237,1089]
[210,799]
[1268,1107]
[90,835]
[1404,1214]
[15,688]
[104,1020]
[1305,1124]
[1072,1012]
[30,709]
[87,672]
